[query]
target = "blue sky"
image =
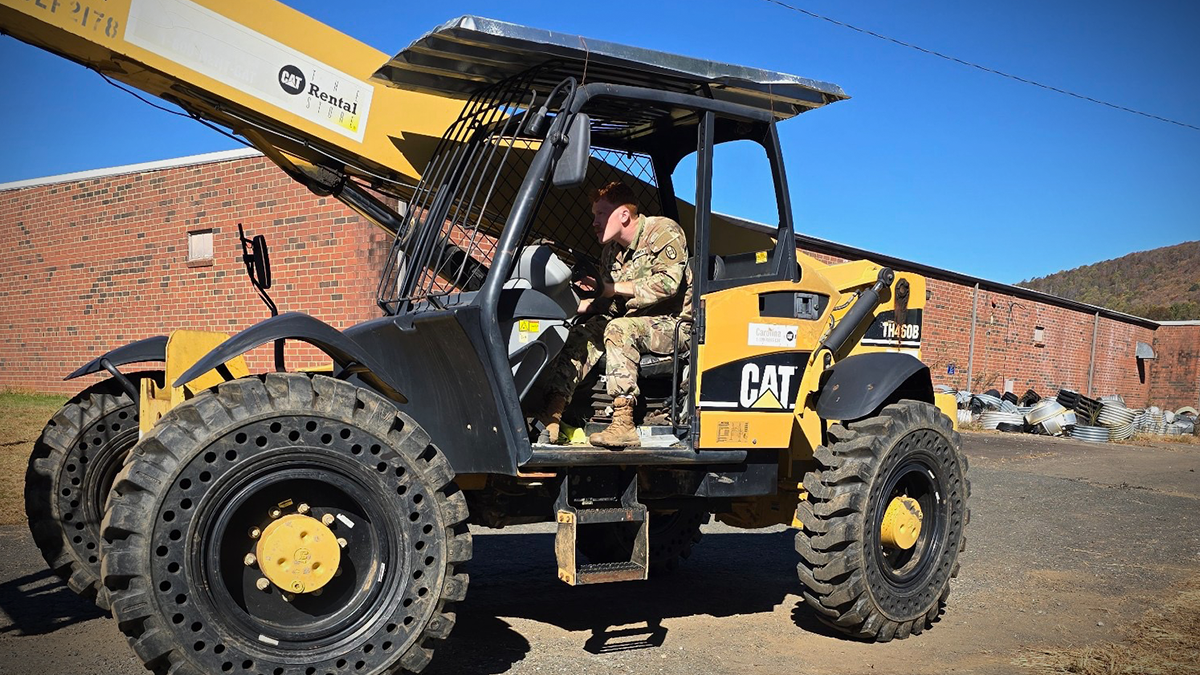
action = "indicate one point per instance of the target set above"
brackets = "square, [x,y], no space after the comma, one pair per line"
[929,160]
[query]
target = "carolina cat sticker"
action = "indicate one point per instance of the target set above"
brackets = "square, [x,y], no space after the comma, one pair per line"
[771,335]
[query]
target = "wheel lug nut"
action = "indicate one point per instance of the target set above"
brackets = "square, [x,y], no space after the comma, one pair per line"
[262,584]
[275,513]
[302,509]
[255,533]
[327,520]
[250,559]
[341,542]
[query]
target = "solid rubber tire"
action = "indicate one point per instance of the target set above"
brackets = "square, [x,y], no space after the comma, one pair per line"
[393,636]
[837,566]
[74,458]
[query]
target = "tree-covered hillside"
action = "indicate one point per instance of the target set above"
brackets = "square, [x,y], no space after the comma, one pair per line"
[1161,284]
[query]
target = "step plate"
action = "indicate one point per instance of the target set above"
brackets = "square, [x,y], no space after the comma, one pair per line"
[616,515]
[603,573]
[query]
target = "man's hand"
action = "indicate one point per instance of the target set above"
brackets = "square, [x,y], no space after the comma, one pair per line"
[585,306]
[604,289]
[622,288]
[587,283]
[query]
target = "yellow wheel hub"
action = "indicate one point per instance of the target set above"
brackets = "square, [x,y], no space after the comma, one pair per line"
[901,523]
[298,554]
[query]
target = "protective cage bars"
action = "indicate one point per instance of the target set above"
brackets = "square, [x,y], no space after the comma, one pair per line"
[469,187]
[441,247]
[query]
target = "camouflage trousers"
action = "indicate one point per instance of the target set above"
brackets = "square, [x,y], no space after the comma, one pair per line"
[621,341]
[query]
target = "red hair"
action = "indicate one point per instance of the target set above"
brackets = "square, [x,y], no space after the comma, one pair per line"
[616,193]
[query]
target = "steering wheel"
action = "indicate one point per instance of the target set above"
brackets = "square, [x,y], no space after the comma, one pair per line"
[585,267]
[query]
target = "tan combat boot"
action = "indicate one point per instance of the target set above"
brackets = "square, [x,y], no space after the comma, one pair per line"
[551,416]
[621,433]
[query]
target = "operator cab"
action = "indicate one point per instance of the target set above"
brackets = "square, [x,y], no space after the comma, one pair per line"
[546,120]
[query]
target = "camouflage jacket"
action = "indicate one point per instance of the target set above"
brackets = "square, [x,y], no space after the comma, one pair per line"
[655,262]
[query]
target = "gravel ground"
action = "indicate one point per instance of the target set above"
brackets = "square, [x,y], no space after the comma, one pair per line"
[1069,544]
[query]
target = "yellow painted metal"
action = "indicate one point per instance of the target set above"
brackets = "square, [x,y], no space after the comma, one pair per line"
[298,553]
[948,404]
[851,275]
[184,349]
[726,341]
[901,523]
[726,429]
[153,402]
[729,312]
[732,310]
[400,131]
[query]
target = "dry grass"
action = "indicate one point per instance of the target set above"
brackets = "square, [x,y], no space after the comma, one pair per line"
[1150,440]
[22,417]
[1166,641]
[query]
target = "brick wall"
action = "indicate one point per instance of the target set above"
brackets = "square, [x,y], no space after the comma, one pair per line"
[1005,348]
[1176,368]
[91,265]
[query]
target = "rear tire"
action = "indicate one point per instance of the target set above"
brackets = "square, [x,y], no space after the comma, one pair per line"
[672,536]
[852,580]
[181,518]
[70,472]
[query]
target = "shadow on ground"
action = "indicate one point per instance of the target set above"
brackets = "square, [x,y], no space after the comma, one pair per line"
[41,603]
[513,576]
[514,580]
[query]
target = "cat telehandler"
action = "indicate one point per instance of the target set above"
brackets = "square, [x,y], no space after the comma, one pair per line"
[317,522]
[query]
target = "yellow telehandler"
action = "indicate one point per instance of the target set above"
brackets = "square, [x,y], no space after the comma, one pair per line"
[317,522]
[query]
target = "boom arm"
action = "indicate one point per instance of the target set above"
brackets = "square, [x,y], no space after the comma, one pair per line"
[297,89]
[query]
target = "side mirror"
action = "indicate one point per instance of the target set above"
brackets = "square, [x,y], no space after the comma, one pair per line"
[257,259]
[572,166]
[261,260]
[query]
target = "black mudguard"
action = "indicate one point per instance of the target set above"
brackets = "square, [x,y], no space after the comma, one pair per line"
[292,326]
[150,349]
[432,364]
[857,386]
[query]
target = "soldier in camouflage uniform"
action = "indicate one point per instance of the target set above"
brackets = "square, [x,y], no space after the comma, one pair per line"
[643,268]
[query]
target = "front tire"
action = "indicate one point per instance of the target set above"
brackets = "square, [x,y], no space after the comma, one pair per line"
[855,579]
[70,472]
[198,492]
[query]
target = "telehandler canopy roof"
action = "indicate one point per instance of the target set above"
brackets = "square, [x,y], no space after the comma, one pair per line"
[462,56]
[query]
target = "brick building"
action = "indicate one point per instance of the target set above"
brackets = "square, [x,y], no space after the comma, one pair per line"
[97,259]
